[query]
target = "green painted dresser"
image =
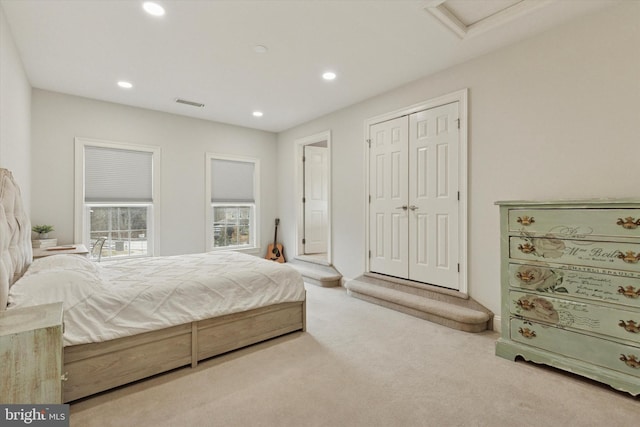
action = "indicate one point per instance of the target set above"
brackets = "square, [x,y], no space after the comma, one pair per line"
[570,283]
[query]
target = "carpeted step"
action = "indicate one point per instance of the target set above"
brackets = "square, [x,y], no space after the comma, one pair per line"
[445,313]
[317,274]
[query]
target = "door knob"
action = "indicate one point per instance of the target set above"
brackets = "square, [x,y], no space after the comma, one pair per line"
[413,207]
[403,207]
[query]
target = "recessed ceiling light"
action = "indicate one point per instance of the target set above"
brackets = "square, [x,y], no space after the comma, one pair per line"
[329,75]
[257,114]
[260,49]
[125,85]
[153,8]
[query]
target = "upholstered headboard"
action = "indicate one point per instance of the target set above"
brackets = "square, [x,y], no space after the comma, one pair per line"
[15,235]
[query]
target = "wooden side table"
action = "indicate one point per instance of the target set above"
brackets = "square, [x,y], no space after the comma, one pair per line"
[31,344]
[75,249]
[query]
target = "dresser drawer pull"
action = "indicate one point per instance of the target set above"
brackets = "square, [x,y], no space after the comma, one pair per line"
[527,248]
[525,220]
[527,333]
[525,276]
[630,326]
[629,223]
[629,257]
[629,292]
[631,360]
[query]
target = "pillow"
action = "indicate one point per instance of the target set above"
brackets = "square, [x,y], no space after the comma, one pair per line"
[47,286]
[62,262]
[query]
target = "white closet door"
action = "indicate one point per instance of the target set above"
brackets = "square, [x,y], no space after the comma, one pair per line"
[316,182]
[433,196]
[388,219]
[414,225]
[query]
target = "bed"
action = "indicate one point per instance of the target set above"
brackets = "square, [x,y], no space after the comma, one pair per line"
[128,320]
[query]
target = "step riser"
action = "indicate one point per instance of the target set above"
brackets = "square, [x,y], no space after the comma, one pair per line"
[438,294]
[465,327]
[438,305]
[416,288]
[322,283]
[322,275]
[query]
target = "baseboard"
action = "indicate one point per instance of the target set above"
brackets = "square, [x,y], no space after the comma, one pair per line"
[497,324]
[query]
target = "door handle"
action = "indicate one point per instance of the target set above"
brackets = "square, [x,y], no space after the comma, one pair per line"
[413,207]
[403,207]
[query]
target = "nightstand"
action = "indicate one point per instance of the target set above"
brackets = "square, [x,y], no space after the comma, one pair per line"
[31,352]
[76,249]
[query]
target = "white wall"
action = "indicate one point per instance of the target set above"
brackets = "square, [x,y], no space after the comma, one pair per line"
[58,119]
[15,112]
[555,116]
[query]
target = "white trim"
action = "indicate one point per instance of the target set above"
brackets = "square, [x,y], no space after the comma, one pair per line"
[207,198]
[79,225]
[299,171]
[497,324]
[439,9]
[461,97]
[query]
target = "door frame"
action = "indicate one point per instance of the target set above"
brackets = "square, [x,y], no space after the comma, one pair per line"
[299,175]
[461,97]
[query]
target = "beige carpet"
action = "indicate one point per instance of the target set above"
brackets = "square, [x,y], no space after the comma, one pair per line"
[362,365]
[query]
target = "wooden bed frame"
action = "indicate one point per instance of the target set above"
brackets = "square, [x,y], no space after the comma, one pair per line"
[96,367]
[91,368]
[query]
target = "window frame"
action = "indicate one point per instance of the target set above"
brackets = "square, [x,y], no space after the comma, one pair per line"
[209,205]
[81,217]
[87,223]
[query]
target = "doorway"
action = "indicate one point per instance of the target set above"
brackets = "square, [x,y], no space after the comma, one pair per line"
[416,211]
[313,160]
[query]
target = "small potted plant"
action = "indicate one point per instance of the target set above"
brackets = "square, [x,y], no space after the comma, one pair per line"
[42,230]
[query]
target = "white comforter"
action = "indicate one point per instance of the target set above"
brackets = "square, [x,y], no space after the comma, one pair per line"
[112,300]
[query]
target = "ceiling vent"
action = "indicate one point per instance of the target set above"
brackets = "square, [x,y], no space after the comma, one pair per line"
[469,18]
[192,103]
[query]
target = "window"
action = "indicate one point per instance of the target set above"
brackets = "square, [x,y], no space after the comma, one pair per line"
[115,197]
[232,205]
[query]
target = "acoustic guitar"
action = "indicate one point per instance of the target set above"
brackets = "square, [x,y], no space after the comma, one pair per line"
[275,252]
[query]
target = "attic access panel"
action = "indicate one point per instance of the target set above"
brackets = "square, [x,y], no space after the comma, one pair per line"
[468,18]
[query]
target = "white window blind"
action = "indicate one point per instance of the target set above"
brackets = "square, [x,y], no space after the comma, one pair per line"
[115,175]
[232,181]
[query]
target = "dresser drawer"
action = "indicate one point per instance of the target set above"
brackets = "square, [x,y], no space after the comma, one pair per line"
[576,223]
[611,255]
[578,315]
[601,352]
[614,286]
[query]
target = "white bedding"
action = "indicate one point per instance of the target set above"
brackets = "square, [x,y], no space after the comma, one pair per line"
[112,300]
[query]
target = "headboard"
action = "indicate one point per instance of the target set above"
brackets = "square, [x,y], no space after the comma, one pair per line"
[15,236]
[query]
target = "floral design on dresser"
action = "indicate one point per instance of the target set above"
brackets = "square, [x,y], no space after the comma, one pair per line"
[548,246]
[536,307]
[540,278]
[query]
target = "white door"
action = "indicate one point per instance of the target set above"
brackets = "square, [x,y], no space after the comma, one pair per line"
[316,180]
[413,212]
[389,191]
[433,196]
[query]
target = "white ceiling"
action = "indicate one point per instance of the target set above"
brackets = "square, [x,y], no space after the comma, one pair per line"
[203,51]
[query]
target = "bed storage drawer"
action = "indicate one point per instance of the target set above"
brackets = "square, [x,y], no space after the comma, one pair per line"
[219,335]
[600,352]
[576,223]
[120,361]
